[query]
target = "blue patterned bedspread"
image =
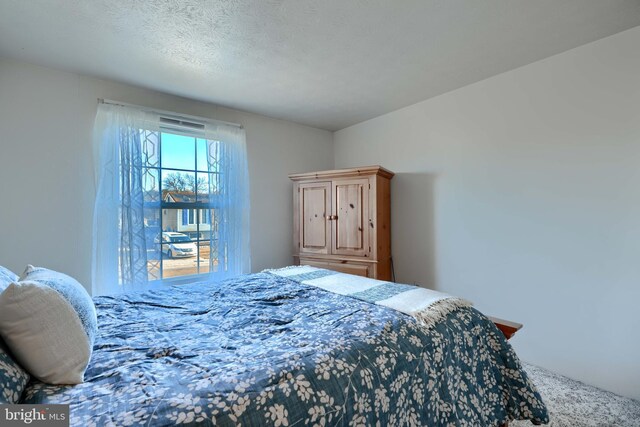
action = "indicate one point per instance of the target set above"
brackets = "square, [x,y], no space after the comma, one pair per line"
[264,350]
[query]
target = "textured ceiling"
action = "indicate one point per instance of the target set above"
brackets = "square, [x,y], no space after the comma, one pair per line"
[325,63]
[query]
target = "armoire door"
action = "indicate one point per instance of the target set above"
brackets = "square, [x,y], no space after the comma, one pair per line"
[350,217]
[315,206]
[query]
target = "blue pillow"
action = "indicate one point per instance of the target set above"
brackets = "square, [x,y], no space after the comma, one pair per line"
[13,379]
[72,291]
[6,277]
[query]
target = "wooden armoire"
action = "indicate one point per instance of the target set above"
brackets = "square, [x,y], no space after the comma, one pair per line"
[342,220]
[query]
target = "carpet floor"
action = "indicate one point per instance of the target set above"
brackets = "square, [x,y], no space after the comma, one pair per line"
[575,404]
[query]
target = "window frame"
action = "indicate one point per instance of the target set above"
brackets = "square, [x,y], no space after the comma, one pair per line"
[197,207]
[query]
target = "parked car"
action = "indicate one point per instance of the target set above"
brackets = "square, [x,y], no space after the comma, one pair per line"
[177,245]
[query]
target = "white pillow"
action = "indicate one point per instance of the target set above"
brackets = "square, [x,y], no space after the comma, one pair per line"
[49,322]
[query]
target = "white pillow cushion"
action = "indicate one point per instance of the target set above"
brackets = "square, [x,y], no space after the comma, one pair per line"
[49,322]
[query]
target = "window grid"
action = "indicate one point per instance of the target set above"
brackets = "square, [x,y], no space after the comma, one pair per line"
[198,209]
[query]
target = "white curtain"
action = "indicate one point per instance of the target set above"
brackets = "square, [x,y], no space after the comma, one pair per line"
[120,241]
[227,155]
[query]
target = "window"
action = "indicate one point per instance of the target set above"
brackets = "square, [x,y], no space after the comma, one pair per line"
[179,177]
[188,216]
[172,201]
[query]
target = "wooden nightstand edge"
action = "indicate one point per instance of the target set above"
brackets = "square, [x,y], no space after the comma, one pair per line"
[507,327]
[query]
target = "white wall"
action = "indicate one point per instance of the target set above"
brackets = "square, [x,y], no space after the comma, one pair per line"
[522,193]
[47,178]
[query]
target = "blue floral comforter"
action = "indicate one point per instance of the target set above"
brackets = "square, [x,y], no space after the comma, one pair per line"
[264,350]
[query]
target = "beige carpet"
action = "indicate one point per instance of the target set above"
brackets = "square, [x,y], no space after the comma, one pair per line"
[575,404]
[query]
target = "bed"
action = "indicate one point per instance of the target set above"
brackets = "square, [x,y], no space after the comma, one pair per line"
[264,349]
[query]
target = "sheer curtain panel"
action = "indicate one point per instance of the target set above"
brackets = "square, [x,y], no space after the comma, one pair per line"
[227,154]
[136,213]
[119,241]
